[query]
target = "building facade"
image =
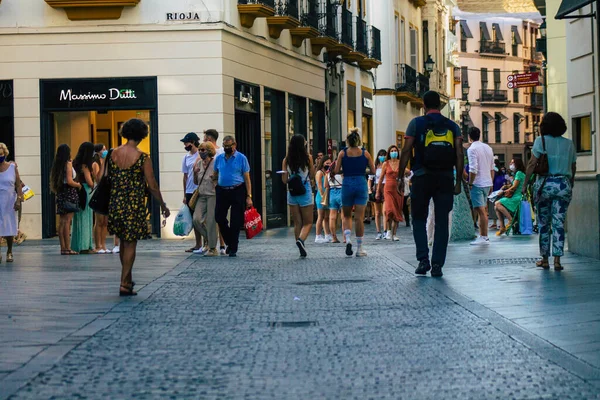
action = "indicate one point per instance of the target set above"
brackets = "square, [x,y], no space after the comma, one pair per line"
[74,71]
[491,50]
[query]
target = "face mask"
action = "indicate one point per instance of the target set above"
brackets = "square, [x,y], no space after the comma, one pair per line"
[512,168]
[381,158]
[104,154]
[188,148]
[2,159]
[203,155]
[394,154]
[327,167]
[228,150]
[496,169]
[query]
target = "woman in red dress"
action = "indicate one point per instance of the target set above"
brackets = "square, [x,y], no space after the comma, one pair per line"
[393,200]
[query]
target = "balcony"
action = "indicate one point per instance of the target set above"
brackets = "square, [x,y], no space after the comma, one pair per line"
[493,96]
[309,23]
[373,59]
[438,82]
[360,50]
[286,17]
[345,43]
[422,85]
[251,9]
[406,83]
[536,100]
[491,48]
[328,29]
[86,10]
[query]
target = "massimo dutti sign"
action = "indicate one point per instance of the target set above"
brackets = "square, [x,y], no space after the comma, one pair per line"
[98,94]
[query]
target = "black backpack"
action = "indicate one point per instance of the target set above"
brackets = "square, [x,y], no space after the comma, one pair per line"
[296,186]
[438,145]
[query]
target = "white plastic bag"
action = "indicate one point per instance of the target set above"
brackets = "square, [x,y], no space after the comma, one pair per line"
[183,222]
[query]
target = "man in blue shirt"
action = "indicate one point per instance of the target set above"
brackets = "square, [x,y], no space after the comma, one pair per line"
[436,156]
[234,192]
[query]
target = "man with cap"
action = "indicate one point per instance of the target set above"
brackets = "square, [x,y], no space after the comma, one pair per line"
[191,141]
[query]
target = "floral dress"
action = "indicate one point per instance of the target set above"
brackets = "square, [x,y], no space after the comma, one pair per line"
[127,207]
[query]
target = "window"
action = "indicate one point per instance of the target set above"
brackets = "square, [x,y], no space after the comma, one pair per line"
[414,55]
[485,123]
[517,156]
[498,126]
[464,72]
[517,122]
[582,129]
[497,81]
[397,29]
[527,122]
[484,78]
[501,158]
[402,41]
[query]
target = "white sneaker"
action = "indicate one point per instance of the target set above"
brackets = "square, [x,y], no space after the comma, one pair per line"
[116,250]
[379,236]
[223,252]
[320,239]
[480,241]
[361,252]
[396,239]
[101,251]
[199,251]
[388,235]
[328,238]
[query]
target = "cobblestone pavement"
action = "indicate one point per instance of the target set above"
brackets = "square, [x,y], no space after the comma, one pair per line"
[269,325]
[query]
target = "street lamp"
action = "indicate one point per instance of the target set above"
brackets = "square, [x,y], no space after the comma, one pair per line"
[429,63]
[468,107]
[465,92]
[464,118]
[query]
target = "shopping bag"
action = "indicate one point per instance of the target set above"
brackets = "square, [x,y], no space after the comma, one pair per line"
[252,223]
[525,220]
[183,222]
[27,193]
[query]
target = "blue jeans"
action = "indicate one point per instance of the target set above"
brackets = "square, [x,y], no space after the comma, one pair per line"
[440,188]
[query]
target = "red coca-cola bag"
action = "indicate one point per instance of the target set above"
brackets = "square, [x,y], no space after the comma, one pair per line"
[252,223]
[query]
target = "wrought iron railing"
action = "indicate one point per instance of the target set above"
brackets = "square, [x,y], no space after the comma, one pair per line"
[422,84]
[406,79]
[493,95]
[346,34]
[437,81]
[310,14]
[328,21]
[375,50]
[270,3]
[287,8]
[492,47]
[361,36]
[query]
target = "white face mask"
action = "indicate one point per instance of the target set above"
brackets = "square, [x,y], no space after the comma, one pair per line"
[512,167]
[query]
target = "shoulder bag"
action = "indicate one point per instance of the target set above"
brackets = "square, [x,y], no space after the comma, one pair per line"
[541,166]
[100,197]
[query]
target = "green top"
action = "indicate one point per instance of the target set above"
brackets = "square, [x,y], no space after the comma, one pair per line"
[514,202]
[561,154]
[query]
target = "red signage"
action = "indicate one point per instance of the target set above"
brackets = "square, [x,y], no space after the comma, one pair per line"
[530,79]
[330,147]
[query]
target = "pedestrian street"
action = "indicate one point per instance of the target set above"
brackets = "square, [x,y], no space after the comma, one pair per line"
[269,325]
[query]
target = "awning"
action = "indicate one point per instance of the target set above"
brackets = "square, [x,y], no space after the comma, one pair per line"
[485,33]
[465,28]
[487,116]
[496,28]
[519,116]
[569,6]
[515,31]
[501,117]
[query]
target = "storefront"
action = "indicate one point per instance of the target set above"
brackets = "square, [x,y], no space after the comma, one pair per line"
[74,111]
[367,119]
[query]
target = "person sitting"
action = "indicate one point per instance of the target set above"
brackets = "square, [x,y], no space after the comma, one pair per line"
[508,205]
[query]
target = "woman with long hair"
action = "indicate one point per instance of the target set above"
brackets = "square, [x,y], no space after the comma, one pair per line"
[393,201]
[298,165]
[101,221]
[334,185]
[11,197]
[65,188]
[83,221]
[322,210]
[130,171]
[507,206]
[380,222]
[355,193]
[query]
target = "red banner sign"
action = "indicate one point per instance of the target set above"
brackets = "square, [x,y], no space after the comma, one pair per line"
[530,79]
[330,147]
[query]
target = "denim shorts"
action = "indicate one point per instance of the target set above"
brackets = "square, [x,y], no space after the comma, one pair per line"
[335,199]
[304,200]
[479,196]
[355,191]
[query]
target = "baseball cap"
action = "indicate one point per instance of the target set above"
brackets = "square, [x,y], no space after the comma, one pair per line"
[190,138]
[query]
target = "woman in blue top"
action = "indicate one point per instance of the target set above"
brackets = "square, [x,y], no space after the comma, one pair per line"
[553,193]
[299,163]
[355,193]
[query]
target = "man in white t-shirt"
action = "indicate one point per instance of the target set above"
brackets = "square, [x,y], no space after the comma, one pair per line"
[191,141]
[481,172]
[211,135]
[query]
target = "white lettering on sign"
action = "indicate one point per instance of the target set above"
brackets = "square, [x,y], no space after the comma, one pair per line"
[367,103]
[189,16]
[113,94]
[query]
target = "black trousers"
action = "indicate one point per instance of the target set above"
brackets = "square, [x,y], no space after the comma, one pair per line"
[234,202]
[440,188]
[406,211]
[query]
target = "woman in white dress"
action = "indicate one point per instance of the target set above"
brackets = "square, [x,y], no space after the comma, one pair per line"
[10,200]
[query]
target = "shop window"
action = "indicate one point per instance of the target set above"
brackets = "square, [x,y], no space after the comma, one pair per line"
[582,132]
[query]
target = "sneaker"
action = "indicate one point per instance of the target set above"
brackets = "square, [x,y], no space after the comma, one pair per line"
[388,235]
[379,236]
[107,251]
[101,251]
[232,254]
[222,251]
[300,244]
[436,271]
[361,253]
[480,241]
[212,253]
[199,251]
[395,238]
[349,251]
[320,239]
[423,267]
[328,239]
[116,250]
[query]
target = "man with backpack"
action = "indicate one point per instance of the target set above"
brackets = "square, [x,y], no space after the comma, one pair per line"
[438,151]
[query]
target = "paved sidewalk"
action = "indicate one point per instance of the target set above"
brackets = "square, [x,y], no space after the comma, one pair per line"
[270,325]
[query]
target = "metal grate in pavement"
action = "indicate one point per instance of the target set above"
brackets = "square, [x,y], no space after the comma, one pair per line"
[507,261]
[292,324]
[333,282]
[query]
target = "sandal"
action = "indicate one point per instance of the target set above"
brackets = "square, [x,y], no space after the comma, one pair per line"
[542,264]
[501,231]
[557,266]
[10,258]
[126,291]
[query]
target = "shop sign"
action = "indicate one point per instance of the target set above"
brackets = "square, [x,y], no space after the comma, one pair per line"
[115,93]
[367,103]
[330,147]
[183,16]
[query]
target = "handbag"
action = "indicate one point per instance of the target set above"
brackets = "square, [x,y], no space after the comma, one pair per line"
[296,186]
[70,207]
[100,197]
[541,166]
[194,198]
[525,219]
[325,199]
